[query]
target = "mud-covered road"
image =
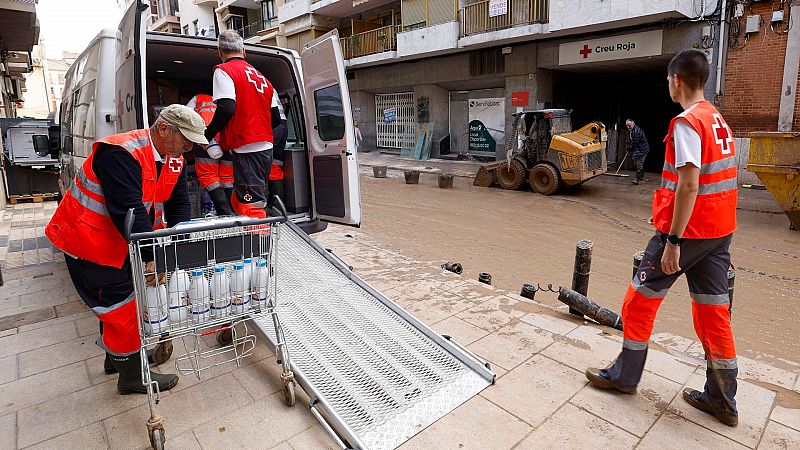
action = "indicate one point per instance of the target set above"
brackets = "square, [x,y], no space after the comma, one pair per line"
[522,237]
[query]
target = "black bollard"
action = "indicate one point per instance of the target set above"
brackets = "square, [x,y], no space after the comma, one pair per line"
[637,259]
[453,267]
[528,291]
[601,315]
[484,277]
[580,276]
[731,281]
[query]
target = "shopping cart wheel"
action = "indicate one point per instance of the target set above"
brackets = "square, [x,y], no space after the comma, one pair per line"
[157,439]
[288,392]
[225,337]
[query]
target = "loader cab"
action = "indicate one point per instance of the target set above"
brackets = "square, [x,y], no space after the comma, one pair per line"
[540,126]
[152,70]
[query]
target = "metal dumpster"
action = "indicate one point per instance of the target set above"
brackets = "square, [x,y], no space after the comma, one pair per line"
[775,159]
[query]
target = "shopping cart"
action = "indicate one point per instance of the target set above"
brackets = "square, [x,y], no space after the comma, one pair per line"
[208,252]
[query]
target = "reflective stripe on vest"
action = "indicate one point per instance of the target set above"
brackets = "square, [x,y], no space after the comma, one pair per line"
[159,216]
[711,168]
[87,202]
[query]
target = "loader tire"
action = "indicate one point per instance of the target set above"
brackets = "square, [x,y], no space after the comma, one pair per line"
[544,179]
[511,177]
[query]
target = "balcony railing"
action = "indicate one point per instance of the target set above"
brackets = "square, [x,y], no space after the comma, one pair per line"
[475,18]
[253,29]
[370,42]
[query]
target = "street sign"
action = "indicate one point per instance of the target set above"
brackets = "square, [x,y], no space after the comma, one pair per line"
[389,115]
[625,46]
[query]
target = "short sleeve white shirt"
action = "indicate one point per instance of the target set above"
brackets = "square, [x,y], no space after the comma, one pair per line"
[687,143]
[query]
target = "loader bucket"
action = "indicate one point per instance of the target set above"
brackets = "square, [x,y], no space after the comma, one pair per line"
[775,159]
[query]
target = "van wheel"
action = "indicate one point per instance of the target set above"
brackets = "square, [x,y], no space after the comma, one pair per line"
[511,176]
[544,179]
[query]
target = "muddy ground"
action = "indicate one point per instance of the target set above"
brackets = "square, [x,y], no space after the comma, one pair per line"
[522,237]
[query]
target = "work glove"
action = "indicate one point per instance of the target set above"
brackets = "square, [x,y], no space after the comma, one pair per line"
[214,150]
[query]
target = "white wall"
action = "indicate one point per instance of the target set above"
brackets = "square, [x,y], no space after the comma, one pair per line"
[191,12]
[570,14]
[428,40]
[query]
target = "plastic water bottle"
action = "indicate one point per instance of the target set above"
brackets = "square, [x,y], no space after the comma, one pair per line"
[248,272]
[178,288]
[220,292]
[261,284]
[240,300]
[156,317]
[199,297]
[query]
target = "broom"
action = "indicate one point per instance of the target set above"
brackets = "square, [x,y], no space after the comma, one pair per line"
[617,174]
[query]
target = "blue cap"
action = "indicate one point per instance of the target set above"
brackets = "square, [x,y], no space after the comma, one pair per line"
[238,266]
[219,268]
[247,260]
[197,272]
[262,262]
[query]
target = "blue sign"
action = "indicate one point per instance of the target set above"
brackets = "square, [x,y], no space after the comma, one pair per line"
[389,115]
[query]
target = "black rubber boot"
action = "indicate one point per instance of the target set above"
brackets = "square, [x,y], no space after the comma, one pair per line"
[221,201]
[155,356]
[130,376]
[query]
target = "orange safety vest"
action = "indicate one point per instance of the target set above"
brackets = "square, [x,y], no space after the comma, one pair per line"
[714,213]
[81,225]
[205,106]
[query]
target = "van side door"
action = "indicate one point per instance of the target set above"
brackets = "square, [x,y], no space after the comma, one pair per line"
[130,74]
[333,161]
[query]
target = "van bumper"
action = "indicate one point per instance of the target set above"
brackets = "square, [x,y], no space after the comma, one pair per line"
[313,226]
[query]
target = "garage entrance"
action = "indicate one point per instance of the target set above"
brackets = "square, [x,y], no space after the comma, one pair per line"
[615,91]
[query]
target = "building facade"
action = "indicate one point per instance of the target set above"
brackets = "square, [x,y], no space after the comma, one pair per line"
[19,32]
[255,20]
[463,68]
[197,17]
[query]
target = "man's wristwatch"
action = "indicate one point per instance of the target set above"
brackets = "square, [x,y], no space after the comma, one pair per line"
[673,239]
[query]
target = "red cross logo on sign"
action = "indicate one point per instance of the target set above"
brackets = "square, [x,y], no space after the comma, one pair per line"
[175,165]
[585,51]
[257,79]
[722,134]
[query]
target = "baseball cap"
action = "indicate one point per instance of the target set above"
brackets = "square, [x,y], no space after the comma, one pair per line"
[187,120]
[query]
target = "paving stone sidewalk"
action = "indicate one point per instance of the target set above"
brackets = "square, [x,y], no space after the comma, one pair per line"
[54,394]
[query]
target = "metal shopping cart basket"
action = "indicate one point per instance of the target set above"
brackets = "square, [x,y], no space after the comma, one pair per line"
[207,252]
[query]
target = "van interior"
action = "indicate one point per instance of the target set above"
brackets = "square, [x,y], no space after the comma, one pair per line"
[177,69]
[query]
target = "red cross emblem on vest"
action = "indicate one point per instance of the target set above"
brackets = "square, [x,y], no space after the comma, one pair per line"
[722,134]
[256,78]
[175,165]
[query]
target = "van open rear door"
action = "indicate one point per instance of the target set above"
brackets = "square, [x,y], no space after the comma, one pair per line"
[130,75]
[332,157]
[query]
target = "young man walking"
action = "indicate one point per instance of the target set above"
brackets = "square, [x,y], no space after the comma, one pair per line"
[694,213]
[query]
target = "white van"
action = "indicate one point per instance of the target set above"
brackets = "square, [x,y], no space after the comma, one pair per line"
[125,76]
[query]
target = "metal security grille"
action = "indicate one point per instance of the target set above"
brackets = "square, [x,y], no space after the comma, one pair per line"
[395,120]
[381,375]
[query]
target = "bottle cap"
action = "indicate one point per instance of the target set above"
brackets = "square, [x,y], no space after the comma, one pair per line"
[262,263]
[247,260]
[219,268]
[238,266]
[197,272]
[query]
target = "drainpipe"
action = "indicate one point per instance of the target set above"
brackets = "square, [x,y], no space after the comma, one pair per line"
[790,69]
[721,49]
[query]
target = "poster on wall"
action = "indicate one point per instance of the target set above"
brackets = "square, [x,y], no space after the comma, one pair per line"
[486,124]
[498,8]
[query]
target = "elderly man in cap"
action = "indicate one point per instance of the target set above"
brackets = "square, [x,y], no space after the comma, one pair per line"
[143,170]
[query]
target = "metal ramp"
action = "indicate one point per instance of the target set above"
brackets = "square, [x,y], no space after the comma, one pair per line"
[376,375]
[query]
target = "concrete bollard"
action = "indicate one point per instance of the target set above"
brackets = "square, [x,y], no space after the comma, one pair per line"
[637,259]
[379,171]
[583,265]
[445,180]
[411,176]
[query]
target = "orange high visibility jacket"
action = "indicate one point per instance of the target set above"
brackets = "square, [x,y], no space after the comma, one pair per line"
[81,225]
[714,213]
[205,106]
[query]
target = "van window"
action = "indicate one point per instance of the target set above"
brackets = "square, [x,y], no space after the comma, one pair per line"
[83,123]
[66,125]
[330,115]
